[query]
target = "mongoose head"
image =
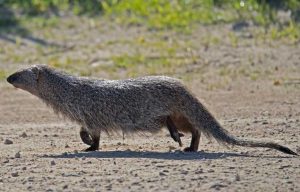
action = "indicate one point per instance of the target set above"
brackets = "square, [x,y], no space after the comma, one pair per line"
[26,79]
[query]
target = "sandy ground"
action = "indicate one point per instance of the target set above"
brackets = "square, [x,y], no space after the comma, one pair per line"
[46,151]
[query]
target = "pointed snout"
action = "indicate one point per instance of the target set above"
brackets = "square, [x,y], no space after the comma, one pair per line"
[12,78]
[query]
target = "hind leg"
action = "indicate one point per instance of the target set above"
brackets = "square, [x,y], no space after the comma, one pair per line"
[182,123]
[173,131]
[195,141]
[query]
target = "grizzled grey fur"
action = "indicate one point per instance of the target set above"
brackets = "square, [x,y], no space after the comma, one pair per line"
[144,104]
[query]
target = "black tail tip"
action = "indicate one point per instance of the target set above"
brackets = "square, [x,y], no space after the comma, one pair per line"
[287,150]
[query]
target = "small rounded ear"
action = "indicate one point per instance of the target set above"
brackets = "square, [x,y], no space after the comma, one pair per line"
[36,72]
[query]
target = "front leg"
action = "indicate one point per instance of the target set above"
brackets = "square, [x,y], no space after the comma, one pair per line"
[95,144]
[85,136]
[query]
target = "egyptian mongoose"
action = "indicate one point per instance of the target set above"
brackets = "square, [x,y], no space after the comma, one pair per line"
[145,104]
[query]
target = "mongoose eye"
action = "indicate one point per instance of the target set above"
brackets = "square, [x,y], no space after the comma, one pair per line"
[36,72]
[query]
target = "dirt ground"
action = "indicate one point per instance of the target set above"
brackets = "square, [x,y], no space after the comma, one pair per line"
[46,151]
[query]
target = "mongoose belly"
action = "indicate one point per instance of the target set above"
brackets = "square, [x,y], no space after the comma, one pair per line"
[181,122]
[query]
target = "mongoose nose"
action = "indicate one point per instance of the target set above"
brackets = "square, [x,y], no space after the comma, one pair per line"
[11,79]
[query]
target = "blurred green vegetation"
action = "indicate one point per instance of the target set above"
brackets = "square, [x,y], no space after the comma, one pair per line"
[163,14]
[156,14]
[22,20]
[37,7]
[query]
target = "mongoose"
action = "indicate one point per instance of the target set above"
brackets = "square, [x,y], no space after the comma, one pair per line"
[144,104]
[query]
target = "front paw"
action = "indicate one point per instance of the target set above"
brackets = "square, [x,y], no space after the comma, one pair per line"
[189,149]
[92,148]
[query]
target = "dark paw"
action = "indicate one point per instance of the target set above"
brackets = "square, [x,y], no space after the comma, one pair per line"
[92,148]
[189,149]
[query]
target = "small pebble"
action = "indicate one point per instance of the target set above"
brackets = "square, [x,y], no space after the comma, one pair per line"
[8,142]
[52,162]
[217,186]
[15,174]
[18,155]
[199,171]
[30,179]
[237,177]
[23,135]
[284,166]
[67,146]
[6,161]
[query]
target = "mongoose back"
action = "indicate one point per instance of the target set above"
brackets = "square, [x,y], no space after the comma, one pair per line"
[144,104]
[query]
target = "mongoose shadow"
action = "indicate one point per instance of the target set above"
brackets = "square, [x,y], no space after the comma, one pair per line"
[147,155]
[159,155]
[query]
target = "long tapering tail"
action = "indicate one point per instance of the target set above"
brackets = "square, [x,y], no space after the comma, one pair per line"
[252,143]
[199,116]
